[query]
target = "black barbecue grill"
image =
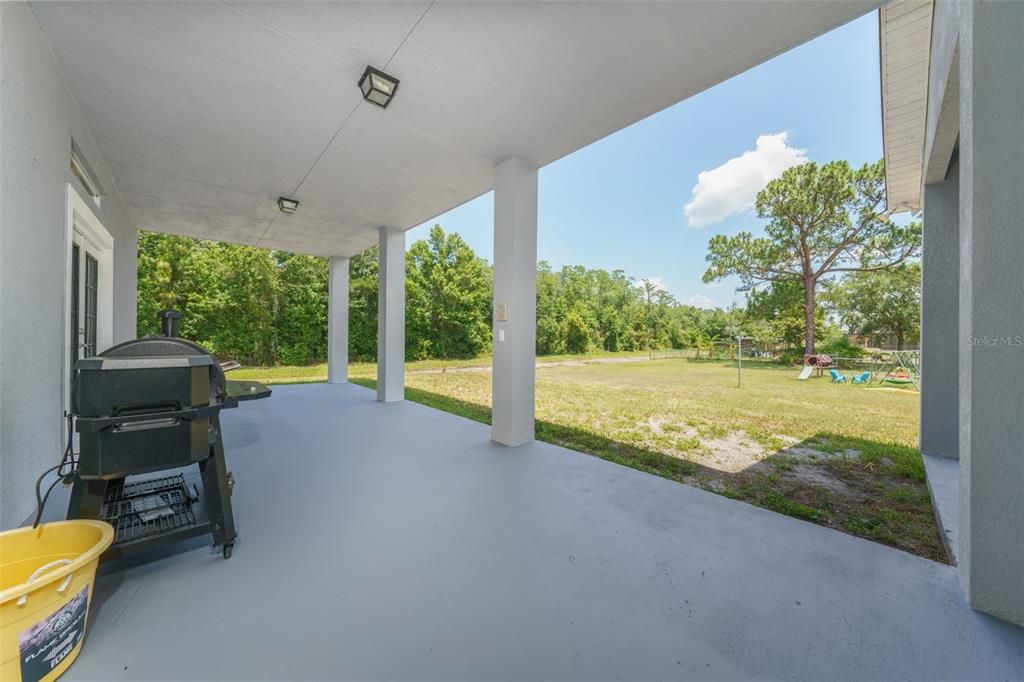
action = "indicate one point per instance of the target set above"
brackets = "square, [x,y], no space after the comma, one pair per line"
[146,406]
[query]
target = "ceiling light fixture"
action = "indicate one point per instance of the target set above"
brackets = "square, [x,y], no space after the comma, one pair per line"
[378,87]
[287,205]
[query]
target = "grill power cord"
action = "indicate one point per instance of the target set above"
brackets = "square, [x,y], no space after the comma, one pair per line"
[69,462]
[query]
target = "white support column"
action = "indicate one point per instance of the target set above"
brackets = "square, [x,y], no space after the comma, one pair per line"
[992,308]
[337,321]
[391,316]
[515,302]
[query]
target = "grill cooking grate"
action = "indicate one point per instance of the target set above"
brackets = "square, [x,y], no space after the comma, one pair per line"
[146,508]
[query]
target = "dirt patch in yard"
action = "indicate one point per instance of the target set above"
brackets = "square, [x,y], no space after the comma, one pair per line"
[817,477]
[733,453]
[823,480]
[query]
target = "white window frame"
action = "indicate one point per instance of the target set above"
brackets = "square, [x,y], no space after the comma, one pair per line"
[85,226]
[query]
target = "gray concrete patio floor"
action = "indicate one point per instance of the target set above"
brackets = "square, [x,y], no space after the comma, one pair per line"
[395,541]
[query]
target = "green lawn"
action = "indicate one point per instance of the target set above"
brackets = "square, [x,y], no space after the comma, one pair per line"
[838,455]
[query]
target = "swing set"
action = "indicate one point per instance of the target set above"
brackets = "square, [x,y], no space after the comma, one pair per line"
[901,367]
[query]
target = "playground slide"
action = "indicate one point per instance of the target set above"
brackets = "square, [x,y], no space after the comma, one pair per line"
[806,373]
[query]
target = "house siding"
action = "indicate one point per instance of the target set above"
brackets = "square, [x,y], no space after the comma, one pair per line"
[38,118]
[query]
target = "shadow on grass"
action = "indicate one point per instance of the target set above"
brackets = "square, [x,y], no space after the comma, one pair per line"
[871,489]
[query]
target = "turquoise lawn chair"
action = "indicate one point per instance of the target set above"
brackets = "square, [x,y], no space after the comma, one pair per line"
[862,378]
[837,378]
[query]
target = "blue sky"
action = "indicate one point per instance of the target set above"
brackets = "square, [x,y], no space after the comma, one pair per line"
[621,203]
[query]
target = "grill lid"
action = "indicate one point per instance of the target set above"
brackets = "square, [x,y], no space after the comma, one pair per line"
[101,362]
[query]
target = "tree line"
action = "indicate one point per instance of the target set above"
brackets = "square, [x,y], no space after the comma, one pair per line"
[831,263]
[266,307]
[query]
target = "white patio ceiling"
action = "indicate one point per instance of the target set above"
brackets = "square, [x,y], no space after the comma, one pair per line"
[207,112]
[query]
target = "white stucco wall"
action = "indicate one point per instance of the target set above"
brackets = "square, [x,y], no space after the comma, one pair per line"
[38,118]
[979,105]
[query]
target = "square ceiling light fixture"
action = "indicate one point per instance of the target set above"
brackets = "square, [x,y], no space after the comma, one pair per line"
[287,205]
[378,87]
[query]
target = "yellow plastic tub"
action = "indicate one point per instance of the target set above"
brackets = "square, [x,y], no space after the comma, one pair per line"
[46,579]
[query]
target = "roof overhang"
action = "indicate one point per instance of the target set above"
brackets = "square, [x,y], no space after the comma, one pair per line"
[206,113]
[904,33]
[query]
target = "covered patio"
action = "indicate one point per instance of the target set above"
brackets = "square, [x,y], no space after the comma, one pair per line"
[383,539]
[394,541]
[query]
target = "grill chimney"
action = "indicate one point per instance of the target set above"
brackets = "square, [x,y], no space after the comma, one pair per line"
[169,322]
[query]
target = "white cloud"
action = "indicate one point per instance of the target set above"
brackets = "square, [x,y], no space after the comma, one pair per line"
[700,301]
[732,187]
[659,283]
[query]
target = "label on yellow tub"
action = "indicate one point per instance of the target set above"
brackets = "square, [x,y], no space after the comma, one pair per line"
[44,645]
